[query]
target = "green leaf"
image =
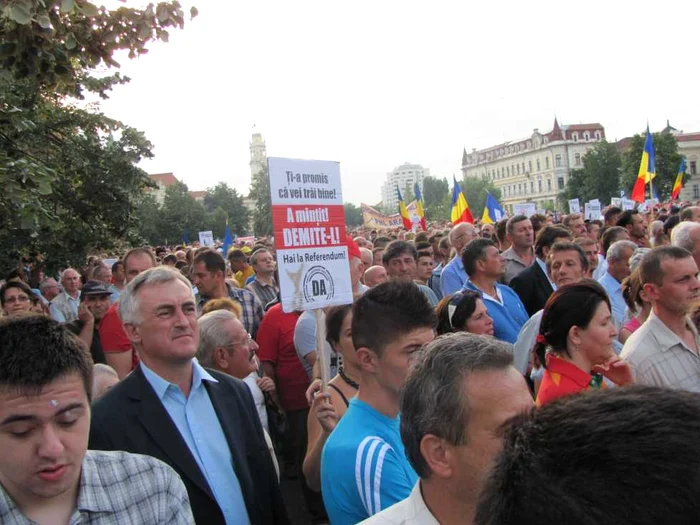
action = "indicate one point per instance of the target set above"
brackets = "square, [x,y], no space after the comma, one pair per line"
[89,9]
[70,41]
[67,6]
[44,21]
[193,12]
[20,13]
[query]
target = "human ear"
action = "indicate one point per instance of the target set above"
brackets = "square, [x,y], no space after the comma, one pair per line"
[437,454]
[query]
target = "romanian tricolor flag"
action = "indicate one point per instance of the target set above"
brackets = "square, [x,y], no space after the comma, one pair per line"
[678,185]
[492,210]
[419,206]
[647,169]
[460,209]
[403,211]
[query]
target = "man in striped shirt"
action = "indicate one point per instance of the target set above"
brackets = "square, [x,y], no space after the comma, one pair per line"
[364,468]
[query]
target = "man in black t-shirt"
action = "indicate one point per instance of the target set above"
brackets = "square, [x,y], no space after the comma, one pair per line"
[94,302]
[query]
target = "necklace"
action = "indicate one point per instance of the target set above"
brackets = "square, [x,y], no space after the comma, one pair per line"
[349,381]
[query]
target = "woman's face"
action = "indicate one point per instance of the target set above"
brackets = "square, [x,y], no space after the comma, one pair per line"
[480,321]
[596,340]
[344,345]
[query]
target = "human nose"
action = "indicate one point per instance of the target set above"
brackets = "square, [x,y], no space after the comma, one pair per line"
[51,446]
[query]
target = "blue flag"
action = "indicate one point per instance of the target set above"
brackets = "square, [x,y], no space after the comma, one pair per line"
[228,240]
[492,210]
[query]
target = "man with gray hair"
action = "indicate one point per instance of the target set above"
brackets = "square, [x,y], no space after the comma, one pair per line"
[453,275]
[49,289]
[617,257]
[64,307]
[473,381]
[203,424]
[687,235]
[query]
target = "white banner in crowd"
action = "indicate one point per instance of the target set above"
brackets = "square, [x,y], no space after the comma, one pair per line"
[616,201]
[525,208]
[628,204]
[574,206]
[592,210]
[206,239]
[309,225]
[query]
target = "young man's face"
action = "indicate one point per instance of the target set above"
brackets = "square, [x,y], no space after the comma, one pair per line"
[424,268]
[397,358]
[43,439]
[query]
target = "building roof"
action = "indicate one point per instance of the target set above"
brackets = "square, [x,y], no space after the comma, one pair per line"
[197,194]
[688,137]
[167,179]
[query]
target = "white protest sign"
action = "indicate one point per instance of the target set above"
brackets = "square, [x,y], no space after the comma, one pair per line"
[616,201]
[628,204]
[592,210]
[574,206]
[309,225]
[206,239]
[525,208]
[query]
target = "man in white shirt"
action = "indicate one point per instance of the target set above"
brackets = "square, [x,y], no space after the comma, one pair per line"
[64,307]
[472,379]
[618,257]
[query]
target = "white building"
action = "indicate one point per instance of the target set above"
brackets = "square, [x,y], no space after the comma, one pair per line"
[536,168]
[258,154]
[404,176]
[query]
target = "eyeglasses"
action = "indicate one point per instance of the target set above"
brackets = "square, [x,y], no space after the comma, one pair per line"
[246,342]
[17,299]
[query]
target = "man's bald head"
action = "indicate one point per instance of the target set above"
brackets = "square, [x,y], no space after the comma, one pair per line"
[461,235]
[366,256]
[375,275]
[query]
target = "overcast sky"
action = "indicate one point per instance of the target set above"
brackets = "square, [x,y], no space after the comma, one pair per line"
[373,84]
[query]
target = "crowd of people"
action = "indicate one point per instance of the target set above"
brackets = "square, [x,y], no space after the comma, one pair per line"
[541,369]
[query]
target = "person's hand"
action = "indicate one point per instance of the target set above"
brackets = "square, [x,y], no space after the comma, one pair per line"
[616,370]
[314,387]
[84,314]
[324,411]
[266,385]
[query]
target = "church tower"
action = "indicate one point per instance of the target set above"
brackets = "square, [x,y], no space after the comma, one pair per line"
[258,154]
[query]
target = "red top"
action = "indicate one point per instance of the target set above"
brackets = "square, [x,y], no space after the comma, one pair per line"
[112,335]
[276,341]
[562,378]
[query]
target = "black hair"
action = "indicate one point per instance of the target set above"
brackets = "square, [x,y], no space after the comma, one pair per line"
[548,236]
[500,228]
[571,305]
[16,274]
[650,268]
[236,255]
[213,261]
[623,456]
[626,218]
[381,242]
[397,248]
[464,304]
[116,265]
[334,321]
[611,212]
[610,236]
[510,224]
[670,223]
[170,258]
[422,245]
[36,350]
[387,312]
[473,252]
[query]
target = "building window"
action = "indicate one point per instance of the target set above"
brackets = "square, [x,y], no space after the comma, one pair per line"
[575,137]
[532,187]
[560,183]
[696,191]
[557,161]
[546,162]
[577,159]
[597,135]
[529,166]
[508,171]
[518,169]
[586,136]
[539,167]
[693,167]
[539,186]
[549,185]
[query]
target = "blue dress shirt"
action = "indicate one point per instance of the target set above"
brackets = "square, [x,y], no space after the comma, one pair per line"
[614,290]
[195,418]
[453,276]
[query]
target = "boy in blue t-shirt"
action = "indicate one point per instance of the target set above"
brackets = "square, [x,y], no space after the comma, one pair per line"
[364,468]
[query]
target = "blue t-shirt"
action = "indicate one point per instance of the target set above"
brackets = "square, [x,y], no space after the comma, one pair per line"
[364,468]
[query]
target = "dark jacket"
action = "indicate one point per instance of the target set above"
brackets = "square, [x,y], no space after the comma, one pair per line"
[533,288]
[130,417]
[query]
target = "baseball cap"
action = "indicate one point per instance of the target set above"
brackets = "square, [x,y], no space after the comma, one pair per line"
[95,288]
[353,248]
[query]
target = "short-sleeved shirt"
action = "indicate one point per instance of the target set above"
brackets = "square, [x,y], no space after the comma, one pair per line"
[305,343]
[119,487]
[660,357]
[562,378]
[243,275]
[252,310]
[98,356]
[113,337]
[364,468]
[276,346]
[514,264]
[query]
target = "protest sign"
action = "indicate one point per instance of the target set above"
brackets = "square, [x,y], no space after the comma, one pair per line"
[309,225]
[574,206]
[372,218]
[525,208]
[616,201]
[592,210]
[206,239]
[628,204]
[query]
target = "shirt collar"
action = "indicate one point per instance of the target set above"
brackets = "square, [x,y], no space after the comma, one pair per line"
[543,267]
[570,370]
[615,284]
[665,337]
[161,386]
[511,255]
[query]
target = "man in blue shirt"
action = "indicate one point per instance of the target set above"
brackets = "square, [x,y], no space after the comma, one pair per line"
[202,423]
[453,275]
[485,266]
[618,257]
[364,468]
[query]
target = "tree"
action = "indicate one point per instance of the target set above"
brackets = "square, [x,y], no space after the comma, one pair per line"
[598,179]
[68,175]
[147,219]
[230,202]
[353,215]
[668,161]
[260,193]
[435,191]
[474,189]
[180,213]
